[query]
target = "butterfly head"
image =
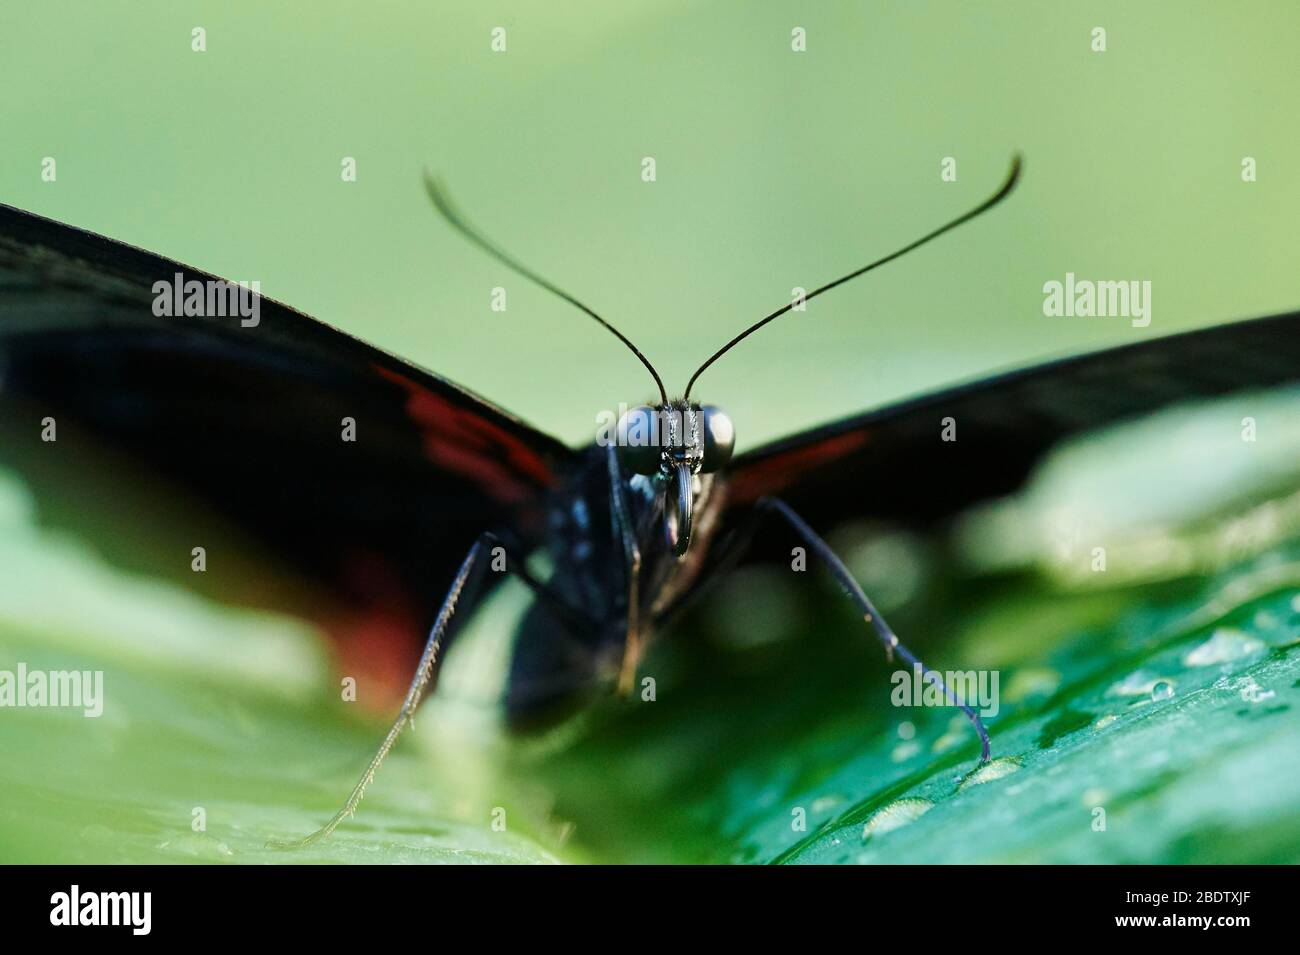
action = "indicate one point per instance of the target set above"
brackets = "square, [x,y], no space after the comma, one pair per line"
[675,442]
[678,435]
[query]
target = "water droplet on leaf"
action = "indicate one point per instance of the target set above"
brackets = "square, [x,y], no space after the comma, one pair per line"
[1223,646]
[995,769]
[895,815]
[905,751]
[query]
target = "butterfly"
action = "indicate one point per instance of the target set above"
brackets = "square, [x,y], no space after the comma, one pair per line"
[409,498]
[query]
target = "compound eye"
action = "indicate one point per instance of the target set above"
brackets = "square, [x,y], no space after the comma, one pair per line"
[719,438]
[637,440]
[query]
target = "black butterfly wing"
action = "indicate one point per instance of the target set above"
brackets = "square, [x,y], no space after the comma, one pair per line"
[250,421]
[893,463]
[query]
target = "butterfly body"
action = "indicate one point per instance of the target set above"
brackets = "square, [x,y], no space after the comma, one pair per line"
[624,599]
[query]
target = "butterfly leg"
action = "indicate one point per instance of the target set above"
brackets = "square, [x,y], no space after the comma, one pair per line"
[425,670]
[626,535]
[869,613]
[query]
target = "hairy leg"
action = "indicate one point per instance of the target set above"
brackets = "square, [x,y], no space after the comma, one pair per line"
[424,673]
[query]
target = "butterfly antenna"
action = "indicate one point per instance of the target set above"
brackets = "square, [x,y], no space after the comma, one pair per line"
[449,212]
[1003,191]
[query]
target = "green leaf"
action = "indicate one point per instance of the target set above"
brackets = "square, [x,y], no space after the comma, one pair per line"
[1157,695]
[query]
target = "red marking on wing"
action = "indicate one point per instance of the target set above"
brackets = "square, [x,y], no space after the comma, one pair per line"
[378,649]
[376,633]
[771,475]
[465,442]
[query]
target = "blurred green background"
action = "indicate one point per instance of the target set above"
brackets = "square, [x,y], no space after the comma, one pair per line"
[775,169]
